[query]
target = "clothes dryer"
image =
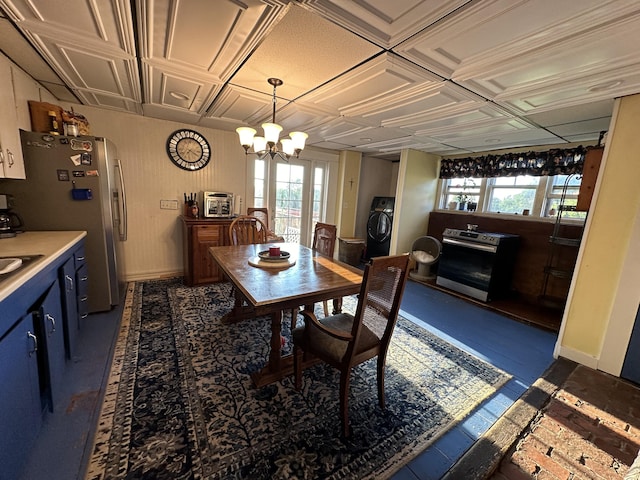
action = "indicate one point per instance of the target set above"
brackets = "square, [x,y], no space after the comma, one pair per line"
[379,226]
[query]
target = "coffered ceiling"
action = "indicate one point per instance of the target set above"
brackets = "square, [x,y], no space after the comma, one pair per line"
[441,76]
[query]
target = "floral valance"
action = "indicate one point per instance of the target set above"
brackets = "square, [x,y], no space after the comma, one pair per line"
[552,162]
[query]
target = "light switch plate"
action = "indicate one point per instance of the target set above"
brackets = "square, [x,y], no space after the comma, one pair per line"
[168,204]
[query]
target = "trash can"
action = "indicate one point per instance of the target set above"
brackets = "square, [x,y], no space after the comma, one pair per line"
[350,250]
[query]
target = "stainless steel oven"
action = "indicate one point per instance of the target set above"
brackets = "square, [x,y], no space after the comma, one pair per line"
[477,264]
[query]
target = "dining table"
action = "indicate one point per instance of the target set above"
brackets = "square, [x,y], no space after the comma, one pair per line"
[266,286]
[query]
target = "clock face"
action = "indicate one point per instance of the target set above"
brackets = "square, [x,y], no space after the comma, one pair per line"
[188,149]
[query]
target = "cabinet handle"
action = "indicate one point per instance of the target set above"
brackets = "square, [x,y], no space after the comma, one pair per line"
[1,156]
[10,158]
[84,279]
[80,259]
[84,315]
[53,323]
[35,343]
[69,283]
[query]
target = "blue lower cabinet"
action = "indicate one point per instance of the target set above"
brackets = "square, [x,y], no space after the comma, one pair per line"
[52,355]
[20,403]
[67,274]
[82,282]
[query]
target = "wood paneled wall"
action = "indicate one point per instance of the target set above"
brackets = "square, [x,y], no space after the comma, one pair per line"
[528,272]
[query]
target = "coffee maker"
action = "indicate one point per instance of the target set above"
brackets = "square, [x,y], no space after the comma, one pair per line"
[10,222]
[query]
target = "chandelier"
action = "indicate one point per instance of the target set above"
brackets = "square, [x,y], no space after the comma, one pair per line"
[267,145]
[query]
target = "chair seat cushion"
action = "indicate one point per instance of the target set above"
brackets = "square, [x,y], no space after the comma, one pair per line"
[325,345]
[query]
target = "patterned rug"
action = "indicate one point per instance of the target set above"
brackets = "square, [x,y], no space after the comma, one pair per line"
[180,403]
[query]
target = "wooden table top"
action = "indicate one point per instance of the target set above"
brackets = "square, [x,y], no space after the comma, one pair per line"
[311,279]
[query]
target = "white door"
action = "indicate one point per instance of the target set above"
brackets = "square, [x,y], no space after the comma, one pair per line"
[290,184]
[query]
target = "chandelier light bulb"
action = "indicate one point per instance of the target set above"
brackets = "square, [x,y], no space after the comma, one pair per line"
[259,144]
[287,146]
[246,135]
[298,139]
[271,132]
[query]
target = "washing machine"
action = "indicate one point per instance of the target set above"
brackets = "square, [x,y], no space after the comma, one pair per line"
[379,226]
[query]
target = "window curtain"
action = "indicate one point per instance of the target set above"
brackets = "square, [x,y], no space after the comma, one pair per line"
[552,162]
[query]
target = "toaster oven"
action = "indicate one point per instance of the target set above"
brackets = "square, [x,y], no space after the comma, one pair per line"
[218,204]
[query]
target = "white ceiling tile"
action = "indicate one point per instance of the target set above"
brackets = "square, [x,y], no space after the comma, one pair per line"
[381,21]
[372,81]
[412,106]
[577,113]
[592,127]
[305,51]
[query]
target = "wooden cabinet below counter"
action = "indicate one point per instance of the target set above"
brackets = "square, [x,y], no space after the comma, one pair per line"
[197,236]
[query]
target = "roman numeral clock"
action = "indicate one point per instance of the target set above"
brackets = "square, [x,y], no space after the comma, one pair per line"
[188,149]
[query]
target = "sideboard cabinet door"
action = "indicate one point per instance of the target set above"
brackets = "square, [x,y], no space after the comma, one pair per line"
[205,269]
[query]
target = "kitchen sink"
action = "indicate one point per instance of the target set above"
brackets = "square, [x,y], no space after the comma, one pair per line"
[9,265]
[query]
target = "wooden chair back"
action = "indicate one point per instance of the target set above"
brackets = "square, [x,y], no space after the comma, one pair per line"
[246,230]
[260,213]
[324,238]
[344,340]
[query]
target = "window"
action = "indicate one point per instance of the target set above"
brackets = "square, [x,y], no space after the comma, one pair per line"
[259,177]
[317,205]
[556,186]
[462,193]
[511,194]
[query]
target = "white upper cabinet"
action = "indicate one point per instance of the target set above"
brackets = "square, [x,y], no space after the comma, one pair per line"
[11,161]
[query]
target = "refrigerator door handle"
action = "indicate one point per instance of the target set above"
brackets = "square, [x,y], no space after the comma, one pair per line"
[122,204]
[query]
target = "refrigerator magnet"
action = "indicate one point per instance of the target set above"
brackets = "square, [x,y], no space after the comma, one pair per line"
[85,158]
[63,175]
[78,173]
[75,159]
[92,173]
[82,194]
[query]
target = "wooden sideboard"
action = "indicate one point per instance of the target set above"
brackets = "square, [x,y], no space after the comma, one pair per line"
[198,234]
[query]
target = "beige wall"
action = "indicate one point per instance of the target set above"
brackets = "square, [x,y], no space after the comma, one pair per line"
[154,245]
[415,198]
[377,179]
[349,181]
[607,247]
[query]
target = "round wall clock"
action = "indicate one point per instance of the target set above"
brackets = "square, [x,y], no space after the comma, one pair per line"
[188,149]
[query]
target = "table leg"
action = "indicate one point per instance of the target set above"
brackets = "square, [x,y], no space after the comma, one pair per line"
[337,306]
[240,311]
[276,345]
[278,366]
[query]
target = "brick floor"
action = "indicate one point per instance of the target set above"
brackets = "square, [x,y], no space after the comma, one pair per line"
[590,429]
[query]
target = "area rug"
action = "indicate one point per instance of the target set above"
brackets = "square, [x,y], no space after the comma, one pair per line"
[180,403]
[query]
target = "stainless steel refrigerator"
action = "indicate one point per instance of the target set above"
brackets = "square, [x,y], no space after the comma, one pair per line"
[76,183]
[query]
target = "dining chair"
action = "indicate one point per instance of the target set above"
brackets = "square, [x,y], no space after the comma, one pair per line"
[324,242]
[260,213]
[344,340]
[246,230]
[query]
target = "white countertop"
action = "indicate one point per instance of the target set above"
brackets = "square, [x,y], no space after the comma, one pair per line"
[49,244]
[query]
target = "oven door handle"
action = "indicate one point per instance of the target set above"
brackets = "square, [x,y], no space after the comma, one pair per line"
[472,245]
